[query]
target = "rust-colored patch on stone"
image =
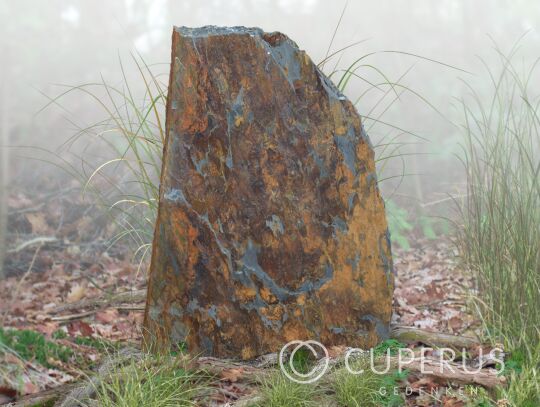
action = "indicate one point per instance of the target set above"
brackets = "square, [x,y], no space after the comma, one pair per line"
[270,226]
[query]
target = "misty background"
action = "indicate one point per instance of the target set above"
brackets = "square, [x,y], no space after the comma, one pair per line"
[442,47]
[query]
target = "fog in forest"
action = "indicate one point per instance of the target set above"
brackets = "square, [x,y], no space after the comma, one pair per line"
[270,229]
[430,52]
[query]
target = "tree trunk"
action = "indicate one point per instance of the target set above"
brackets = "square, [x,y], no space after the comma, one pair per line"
[4,164]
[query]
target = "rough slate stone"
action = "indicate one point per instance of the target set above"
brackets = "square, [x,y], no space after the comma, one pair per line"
[271,226]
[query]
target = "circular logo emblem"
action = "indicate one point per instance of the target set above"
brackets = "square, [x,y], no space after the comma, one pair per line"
[290,370]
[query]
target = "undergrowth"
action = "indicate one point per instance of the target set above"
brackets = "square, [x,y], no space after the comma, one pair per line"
[32,346]
[4,180]
[279,391]
[500,238]
[129,140]
[368,388]
[126,184]
[132,134]
[152,381]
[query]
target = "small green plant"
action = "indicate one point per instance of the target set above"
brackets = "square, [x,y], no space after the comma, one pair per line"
[390,345]
[367,388]
[153,381]
[475,396]
[280,391]
[398,224]
[523,388]
[401,224]
[514,363]
[33,346]
[99,344]
[302,360]
[59,334]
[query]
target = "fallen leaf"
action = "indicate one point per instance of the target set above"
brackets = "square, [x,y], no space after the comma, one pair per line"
[18,201]
[76,293]
[80,328]
[336,351]
[47,328]
[455,323]
[7,394]
[107,316]
[452,402]
[12,359]
[38,222]
[233,374]
[425,385]
[5,399]
[31,388]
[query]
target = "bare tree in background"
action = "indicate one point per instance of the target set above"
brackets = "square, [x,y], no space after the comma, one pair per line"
[4,165]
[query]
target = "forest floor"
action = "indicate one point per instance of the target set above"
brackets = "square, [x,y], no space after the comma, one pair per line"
[59,263]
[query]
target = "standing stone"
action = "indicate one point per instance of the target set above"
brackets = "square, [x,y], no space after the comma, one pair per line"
[271,227]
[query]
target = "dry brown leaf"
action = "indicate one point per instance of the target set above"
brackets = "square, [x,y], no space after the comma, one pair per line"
[7,394]
[10,358]
[79,327]
[47,328]
[38,222]
[76,293]
[107,316]
[455,323]
[31,388]
[425,385]
[336,351]
[452,402]
[233,374]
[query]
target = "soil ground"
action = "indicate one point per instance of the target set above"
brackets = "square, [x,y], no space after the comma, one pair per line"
[58,259]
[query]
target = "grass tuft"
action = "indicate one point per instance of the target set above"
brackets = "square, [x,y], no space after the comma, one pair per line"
[524,387]
[126,150]
[280,391]
[121,165]
[153,381]
[368,388]
[500,239]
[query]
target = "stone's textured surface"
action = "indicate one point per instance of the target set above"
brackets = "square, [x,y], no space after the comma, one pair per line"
[270,227]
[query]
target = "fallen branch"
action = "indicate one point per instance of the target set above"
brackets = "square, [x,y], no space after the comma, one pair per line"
[448,371]
[225,368]
[73,317]
[249,400]
[455,372]
[45,398]
[408,334]
[130,297]
[33,242]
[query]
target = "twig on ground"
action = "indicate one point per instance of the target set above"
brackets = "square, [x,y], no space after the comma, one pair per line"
[455,372]
[32,242]
[410,334]
[248,400]
[73,317]
[46,397]
[129,297]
